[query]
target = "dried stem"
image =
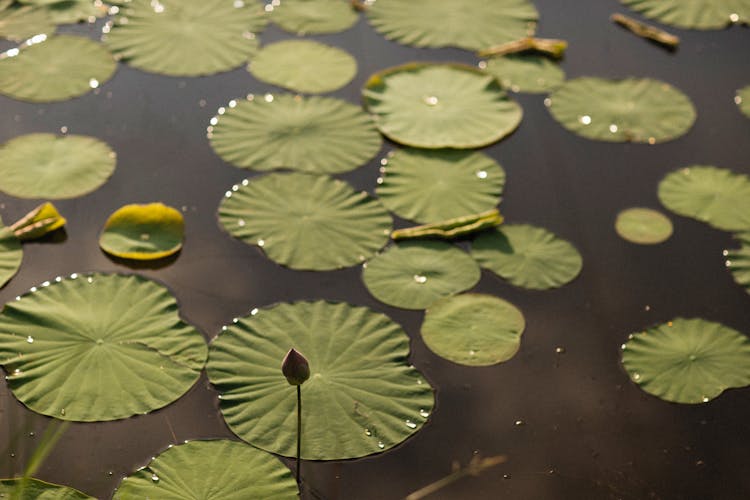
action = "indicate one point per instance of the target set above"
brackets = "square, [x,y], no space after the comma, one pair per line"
[475,467]
[647,31]
[549,46]
[451,228]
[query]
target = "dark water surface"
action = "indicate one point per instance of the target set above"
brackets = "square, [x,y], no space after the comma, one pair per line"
[585,430]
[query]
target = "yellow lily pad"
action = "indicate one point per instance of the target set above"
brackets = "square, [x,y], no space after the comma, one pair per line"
[143,232]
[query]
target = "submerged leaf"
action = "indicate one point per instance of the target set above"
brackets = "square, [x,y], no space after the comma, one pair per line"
[314,17]
[644,226]
[28,488]
[42,220]
[143,232]
[696,14]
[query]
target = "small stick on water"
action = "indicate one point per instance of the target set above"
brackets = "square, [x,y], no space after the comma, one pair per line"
[296,369]
[451,228]
[475,467]
[647,31]
[549,46]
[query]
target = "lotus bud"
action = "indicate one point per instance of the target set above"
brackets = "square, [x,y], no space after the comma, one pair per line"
[295,368]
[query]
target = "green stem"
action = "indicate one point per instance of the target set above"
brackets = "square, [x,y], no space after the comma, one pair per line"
[549,46]
[647,31]
[299,433]
[451,228]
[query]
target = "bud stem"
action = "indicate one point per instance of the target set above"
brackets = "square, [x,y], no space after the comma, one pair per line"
[299,434]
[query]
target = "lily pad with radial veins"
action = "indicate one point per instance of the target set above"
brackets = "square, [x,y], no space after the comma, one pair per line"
[34,489]
[363,396]
[440,106]
[19,23]
[696,14]
[526,72]
[738,262]
[314,17]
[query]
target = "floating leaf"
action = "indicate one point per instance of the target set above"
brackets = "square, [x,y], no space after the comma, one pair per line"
[98,347]
[42,220]
[527,256]
[413,275]
[688,360]
[74,11]
[186,37]
[55,69]
[643,226]
[54,167]
[451,228]
[20,23]
[315,134]
[440,106]
[473,329]
[314,17]
[695,14]
[633,109]
[304,66]
[306,222]
[11,254]
[210,470]
[143,232]
[468,24]
[526,72]
[713,195]
[363,395]
[738,262]
[742,99]
[429,186]
[34,489]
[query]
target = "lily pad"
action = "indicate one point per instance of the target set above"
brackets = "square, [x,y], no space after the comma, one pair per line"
[526,72]
[74,11]
[713,195]
[314,134]
[304,66]
[143,232]
[210,470]
[11,254]
[527,256]
[98,347]
[688,360]
[738,262]
[363,396]
[433,185]
[468,24]
[55,69]
[314,17]
[413,275]
[306,222]
[440,106]
[21,23]
[742,99]
[34,489]
[633,109]
[54,167]
[473,329]
[186,37]
[693,14]
[644,226]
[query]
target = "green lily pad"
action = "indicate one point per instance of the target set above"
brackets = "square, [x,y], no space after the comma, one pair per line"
[306,222]
[314,17]
[688,360]
[303,66]
[434,185]
[74,11]
[98,347]
[186,37]
[21,23]
[413,275]
[527,256]
[55,69]
[473,329]
[143,232]
[526,72]
[34,489]
[468,24]
[362,396]
[644,226]
[54,167]
[693,14]
[633,109]
[311,134]
[11,254]
[440,106]
[713,195]
[738,262]
[742,99]
[210,470]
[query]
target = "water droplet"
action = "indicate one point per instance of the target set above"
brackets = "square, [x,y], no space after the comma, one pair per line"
[560,350]
[31,434]
[692,357]
[228,194]
[74,276]
[261,243]
[705,399]
[472,352]
[431,100]
[585,119]
[381,445]
[482,64]
[254,312]
[12,53]
[728,263]
[214,121]
[420,279]
[30,339]
[224,328]
[232,103]
[155,478]
[652,140]
[62,411]
[367,432]
[17,372]
[238,4]
[410,424]
[613,128]
[90,279]
[482,174]
[548,102]
[506,476]
[158,7]
[424,413]
[268,8]
[63,130]
[241,222]
[636,376]
[145,236]
[519,423]
[32,289]
[647,308]
[268,98]
[245,182]
[109,473]
[379,180]
[419,381]
[734,17]
[93,83]
[737,100]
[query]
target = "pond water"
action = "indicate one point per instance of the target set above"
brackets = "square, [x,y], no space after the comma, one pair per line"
[562,410]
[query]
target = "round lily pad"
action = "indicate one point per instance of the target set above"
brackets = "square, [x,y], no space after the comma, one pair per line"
[310,134]
[644,226]
[362,396]
[468,24]
[434,185]
[34,489]
[304,66]
[742,99]
[74,11]
[440,106]
[738,262]
[713,195]
[54,167]
[19,23]
[306,222]
[688,360]
[413,275]
[210,470]
[186,37]
[527,256]
[473,329]
[11,254]
[633,109]
[97,347]
[143,232]
[695,14]
[59,68]
[526,72]
[314,17]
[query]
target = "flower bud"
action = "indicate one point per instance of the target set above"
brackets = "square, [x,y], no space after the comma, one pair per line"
[295,368]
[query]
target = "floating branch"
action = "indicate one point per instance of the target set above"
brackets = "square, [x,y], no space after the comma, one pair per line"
[550,46]
[475,467]
[451,228]
[647,31]
[42,220]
